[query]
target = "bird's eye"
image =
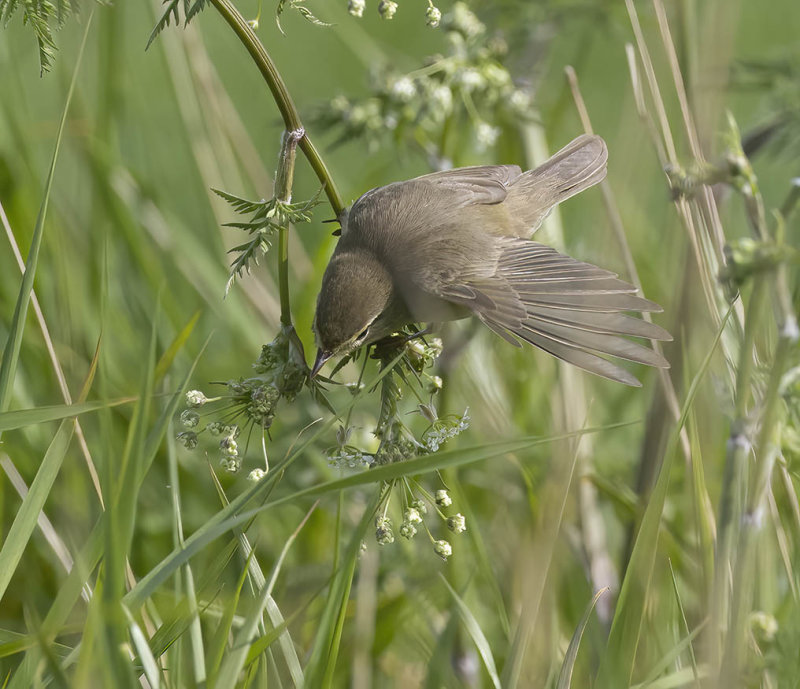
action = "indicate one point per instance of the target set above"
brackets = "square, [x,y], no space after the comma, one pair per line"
[363,335]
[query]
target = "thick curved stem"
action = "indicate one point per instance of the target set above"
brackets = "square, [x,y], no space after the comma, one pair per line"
[283,100]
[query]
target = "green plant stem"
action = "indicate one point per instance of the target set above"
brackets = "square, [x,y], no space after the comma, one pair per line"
[284,178]
[738,446]
[283,100]
[753,517]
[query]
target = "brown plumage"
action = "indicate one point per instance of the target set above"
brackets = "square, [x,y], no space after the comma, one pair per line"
[453,244]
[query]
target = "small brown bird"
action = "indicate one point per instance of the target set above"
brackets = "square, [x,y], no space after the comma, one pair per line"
[454,244]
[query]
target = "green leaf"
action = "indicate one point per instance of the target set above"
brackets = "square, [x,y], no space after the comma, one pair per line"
[239,204]
[319,671]
[171,13]
[8,365]
[177,344]
[25,520]
[146,658]
[20,418]
[565,676]
[475,631]
[616,667]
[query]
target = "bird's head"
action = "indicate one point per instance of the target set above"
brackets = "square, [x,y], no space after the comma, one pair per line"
[354,305]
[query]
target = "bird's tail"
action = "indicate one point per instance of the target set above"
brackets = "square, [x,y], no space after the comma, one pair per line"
[578,166]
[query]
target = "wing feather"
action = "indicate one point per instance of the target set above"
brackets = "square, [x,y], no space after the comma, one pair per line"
[573,310]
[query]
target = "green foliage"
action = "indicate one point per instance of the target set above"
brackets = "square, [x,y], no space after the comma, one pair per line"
[41,16]
[471,550]
[299,7]
[267,218]
[172,13]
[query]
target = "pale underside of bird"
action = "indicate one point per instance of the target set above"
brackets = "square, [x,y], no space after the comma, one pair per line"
[453,244]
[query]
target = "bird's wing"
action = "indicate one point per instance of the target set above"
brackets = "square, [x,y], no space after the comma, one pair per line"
[573,310]
[578,166]
[483,184]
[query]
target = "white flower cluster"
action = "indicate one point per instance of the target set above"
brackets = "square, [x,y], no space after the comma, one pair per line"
[443,429]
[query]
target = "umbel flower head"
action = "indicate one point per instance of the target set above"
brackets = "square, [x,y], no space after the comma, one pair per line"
[249,403]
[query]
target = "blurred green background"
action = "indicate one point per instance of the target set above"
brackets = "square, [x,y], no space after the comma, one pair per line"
[133,242]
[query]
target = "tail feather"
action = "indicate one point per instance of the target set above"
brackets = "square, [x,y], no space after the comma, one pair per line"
[578,166]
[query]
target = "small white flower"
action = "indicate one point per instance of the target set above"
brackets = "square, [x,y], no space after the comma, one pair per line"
[433,15]
[495,75]
[256,475]
[457,524]
[229,447]
[190,418]
[195,398]
[443,498]
[764,625]
[383,531]
[230,464]
[486,135]
[443,549]
[464,21]
[441,100]
[387,8]
[470,79]
[412,516]
[520,102]
[403,89]
[356,7]
[188,439]
[408,530]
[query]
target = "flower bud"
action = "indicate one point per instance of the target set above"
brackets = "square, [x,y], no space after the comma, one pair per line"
[230,464]
[256,475]
[356,7]
[457,524]
[443,498]
[387,8]
[443,549]
[188,439]
[195,398]
[229,447]
[408,530]
[190,418]
[383,531]
[433,15]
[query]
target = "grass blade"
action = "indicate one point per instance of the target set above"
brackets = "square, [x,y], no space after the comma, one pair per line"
[319,671]
[8,366]
[565,676]
[20,418]
[28,515]
[476,633]
[617,665]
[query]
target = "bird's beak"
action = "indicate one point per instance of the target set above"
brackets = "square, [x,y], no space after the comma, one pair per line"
[322,357]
